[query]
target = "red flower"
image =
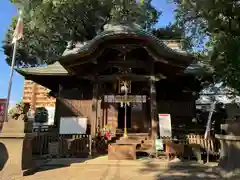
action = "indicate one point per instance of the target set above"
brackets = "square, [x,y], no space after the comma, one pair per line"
[108,134]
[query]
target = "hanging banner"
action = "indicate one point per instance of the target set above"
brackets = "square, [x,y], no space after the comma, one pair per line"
[2,112]
[165,126]
[125,99]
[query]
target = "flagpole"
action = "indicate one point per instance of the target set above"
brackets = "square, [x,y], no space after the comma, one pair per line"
[16,36]
[10,79]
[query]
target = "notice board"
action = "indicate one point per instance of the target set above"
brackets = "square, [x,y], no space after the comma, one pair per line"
[165,126]
[73,125]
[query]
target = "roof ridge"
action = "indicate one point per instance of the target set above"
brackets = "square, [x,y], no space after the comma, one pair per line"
[117,29]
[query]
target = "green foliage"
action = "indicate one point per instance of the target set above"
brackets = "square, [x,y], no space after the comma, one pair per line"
[19,112]
[218,20]
[174,32]
[225,58]
[49,25]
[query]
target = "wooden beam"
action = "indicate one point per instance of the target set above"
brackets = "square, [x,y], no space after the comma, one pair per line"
[127,63]
[157,58]
[101,66]
[132,77]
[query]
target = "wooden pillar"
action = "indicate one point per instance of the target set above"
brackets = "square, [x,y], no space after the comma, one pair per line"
[103,114]
[98,107]
[94,110]
[153,105]
[106,114]
[34,96]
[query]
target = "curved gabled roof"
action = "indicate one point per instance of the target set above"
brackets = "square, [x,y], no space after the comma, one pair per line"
[49,70]
[112,31]
[198,68]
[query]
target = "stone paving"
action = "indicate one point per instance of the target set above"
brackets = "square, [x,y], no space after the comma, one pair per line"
[118,170]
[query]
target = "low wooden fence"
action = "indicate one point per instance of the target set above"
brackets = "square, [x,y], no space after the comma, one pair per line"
[66,145]
[79,145]
[213,144]
[195,139]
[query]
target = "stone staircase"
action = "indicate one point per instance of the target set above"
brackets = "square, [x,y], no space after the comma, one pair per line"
[141,140]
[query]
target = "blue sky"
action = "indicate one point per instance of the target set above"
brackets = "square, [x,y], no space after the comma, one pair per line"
[7,11]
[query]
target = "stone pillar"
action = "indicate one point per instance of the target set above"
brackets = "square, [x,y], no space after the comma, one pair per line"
[15,150]
[230,152]
[230,146]
[153,106]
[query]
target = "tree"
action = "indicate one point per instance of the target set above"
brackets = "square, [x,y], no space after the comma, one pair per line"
[174,32]
[50,25]
[19,112]
[216,22]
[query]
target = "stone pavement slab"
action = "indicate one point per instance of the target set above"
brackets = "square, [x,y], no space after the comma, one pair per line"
[87,173]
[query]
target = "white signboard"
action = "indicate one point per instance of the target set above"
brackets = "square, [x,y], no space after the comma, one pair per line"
[73,125]
[165,126]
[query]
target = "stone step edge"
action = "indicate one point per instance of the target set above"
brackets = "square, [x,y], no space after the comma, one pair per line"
[87,161]
[12,135]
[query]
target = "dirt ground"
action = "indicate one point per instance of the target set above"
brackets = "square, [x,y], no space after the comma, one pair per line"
[102,170]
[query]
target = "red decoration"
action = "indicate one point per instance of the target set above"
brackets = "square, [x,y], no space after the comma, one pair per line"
[2,109]
[2,112]
[108,134]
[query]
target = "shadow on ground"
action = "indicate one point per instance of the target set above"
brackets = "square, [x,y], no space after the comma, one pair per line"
[3,156]
[51,164]
[189,171]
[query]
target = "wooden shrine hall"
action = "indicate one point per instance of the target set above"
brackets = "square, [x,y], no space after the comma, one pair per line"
[124,77]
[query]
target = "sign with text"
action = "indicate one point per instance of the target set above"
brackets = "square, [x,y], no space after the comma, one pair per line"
[2,112]
[125,99]
[165,126]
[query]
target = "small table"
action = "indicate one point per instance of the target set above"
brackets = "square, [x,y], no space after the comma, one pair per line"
[122,152]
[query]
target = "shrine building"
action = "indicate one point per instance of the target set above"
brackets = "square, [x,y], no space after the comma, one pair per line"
[124,77]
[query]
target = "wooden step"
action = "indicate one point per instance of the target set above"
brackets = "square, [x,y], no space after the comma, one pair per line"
[139,141]
[147,144]
[148,141]
[136,138]
[127,141]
